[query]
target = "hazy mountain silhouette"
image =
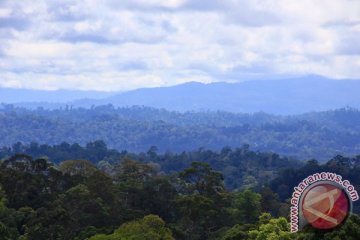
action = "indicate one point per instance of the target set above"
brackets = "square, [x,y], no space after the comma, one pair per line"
[14,95]
[274,96]
[290,96]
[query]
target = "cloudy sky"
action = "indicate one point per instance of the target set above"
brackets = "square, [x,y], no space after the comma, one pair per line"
[121,45]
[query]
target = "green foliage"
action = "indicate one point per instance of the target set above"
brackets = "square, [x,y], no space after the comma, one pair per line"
[77,167]
[236,232]
[203,201]
[275,229]
[9,219]
[241,167]
[201,179]
[247,206]
[151,227]
[76,201]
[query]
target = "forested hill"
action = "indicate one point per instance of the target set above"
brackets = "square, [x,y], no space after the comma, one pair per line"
[315,135]
[130,199]
[241,166]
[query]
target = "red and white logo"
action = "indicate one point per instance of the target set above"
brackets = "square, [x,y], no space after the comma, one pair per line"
[325,206]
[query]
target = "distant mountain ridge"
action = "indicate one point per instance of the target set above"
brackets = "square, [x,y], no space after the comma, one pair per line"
[40,97]
[290,96]
[276,96]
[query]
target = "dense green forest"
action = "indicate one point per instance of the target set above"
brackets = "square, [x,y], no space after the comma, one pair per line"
[241,166]
[319,135]
[158,174]
[203,194]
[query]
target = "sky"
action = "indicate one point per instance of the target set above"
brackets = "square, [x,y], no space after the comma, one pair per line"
[117,45]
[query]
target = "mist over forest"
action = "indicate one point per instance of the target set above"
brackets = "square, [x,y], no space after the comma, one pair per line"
[317,135]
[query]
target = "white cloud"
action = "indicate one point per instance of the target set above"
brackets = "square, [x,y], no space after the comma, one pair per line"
[5,12]
[120,45]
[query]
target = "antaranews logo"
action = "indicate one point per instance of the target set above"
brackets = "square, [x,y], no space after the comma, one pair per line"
[323,200]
